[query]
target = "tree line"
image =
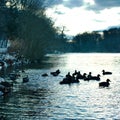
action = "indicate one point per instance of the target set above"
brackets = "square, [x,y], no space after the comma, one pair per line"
[97,41]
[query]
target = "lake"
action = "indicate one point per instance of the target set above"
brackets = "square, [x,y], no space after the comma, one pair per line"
[43,98]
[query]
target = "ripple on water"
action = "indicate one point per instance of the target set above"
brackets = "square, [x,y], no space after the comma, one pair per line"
[43,98]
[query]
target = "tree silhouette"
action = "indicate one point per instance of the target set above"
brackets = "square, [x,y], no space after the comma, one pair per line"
[28,27]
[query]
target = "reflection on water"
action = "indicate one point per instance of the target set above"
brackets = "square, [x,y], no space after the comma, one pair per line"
[43,98]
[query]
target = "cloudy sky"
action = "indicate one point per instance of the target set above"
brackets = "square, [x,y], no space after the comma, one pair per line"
[79,16]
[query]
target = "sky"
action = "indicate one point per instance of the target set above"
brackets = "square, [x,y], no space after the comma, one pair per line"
[78,16]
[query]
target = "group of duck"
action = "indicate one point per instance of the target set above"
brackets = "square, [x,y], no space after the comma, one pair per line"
[6,84]
[76,76]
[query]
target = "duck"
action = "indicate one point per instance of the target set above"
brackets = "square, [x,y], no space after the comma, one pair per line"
[56,73]
[25,79]
[79,76]
[75,73]
[95,77]
[69,79]
[105,84]
[88,77]
[65,81]
[44,75]
[106,72]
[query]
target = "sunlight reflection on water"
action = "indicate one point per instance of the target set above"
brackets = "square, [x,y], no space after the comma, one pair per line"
[43,98]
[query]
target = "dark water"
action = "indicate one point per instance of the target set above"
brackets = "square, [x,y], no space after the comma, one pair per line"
[43,98]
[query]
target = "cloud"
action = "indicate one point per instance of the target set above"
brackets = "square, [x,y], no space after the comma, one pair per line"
[59,12]
[103,4]
[66,3]
[108,3]
[95,5]
[72,3]
[88,15]
[52,3]
[78,20]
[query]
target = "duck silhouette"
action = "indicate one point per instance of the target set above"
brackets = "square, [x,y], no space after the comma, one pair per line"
[88,77]
[44,75]
[104,84]
[95,77]
[80,76]
[25,79]
[69,79]
[56,73]
[106,72]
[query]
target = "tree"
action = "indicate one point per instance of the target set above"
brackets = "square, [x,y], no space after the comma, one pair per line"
[36,34]
[87,42]
[28,27]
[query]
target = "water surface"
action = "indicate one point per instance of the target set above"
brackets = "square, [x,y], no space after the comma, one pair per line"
[43,98]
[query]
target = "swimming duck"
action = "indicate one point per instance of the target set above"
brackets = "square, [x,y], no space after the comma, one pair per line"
[106,73]
[95,77]
[45,75]
[104,84]
[69,79]
[25,79]
[75,73]
[56,73]
[88,77]
[81,76]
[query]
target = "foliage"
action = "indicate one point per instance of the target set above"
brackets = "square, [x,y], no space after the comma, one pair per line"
[95,42]
[36,33]
[25,23]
